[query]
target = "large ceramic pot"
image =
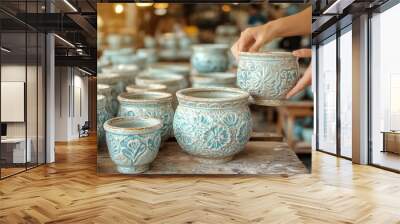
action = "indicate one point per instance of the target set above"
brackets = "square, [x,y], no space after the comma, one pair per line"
[102,116]
[210,58]
[212,124]
[149,104]
[217,79]
[118,84]
[133,142]
[172,81]
[146,88]
[268,76]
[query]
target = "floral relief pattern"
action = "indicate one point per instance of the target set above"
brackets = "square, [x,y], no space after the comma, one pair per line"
[269,79]
[102,116]
[212,133]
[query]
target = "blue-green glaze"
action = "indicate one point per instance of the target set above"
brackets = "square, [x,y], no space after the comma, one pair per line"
[118,84]
[102,116]
[149,104]
[133,143]
[212,124]
[210,58]
[267,76]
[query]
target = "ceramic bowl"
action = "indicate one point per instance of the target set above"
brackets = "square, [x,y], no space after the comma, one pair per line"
[133,142]
[212,124]
[102,116]
[118,84]
[210,58]
[172,81]
[267,76]
[149,104]
[216,79]
[146,88]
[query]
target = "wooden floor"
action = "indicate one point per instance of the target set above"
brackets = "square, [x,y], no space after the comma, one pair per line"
[69,191]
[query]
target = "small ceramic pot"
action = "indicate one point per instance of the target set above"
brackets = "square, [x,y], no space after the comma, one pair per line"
[102,116]
[146,88]
[105,90]
[150,42]
[149,104]
[129,72]
[168,41]
[217,79]
[184,42]
[268,76]
[212,124]
[149,53]
[210,58]
[118,84]
[133,59]
[114,41]
[133,142]
[172,81]
[170,68]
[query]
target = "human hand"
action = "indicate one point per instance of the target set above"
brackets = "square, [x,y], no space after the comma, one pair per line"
[306,79]
[253,38]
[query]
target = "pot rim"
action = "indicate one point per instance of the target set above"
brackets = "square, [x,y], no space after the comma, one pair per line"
[205,47]
[169,78]
[183,94]
[149,87]
[156,97]
[182,69]
[109,78]
[226,77]
[268,54]
[153,125]
[102,86]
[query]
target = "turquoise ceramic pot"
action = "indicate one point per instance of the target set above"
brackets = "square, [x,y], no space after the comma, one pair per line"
[212,124]
[149,104]
[128,72]
[133,142]
[307,135]
[105,90]
[170,68]
[146,88]
[268,76]
[210,58]
[173,82]
[215,79]
[118,84]
[102,116]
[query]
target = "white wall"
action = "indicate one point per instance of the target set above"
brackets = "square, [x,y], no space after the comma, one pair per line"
[68,83]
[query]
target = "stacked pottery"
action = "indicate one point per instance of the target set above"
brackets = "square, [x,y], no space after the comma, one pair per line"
[149,104]
[146,88]
[215,79]
[133,142]
[212,124]
[117,83]
[102,116]
[268,76]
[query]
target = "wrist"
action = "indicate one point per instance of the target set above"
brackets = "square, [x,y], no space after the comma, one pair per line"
[273,28]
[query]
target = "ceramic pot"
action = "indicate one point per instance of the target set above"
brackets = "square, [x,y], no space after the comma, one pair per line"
[168,41]
[149,53]
[150,42]
[146,88]
[102,116]
[132,59]
[149,104]
[172,81]
[210,58]
[212,124]
[170,68]
[105,90]
[133,142]
[129,72]
[114,41]
[268,76]
[118,84]
[217,79]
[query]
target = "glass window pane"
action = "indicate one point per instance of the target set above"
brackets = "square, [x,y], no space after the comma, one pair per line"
[385,84]
[346,94]
[327,97]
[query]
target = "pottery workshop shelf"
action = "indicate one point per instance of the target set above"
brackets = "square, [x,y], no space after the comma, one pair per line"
[258,158]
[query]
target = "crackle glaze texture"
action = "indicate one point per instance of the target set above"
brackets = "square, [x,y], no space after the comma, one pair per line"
[161,110]
[208,59]
[267,77]
[212,130]
[132,153]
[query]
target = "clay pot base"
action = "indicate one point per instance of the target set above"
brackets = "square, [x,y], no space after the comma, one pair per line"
[213,161]
[264,102]
[133,169]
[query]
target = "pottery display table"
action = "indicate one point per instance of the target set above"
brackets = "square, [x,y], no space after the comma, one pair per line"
[259,158]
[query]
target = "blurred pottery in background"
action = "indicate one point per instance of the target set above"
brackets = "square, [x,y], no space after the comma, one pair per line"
[210,58]
[102,116]
[114,41]
[149,104]
[307,134]
[146,88]
[129,72]
[150,42]
[105,90]
[150,54]
[172,81]
[118,84]
[133,59]
[184,42]
[168,41]
[216,79]
[212,124]
[133,142]
[268,76]
[170,68]
[227,30]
